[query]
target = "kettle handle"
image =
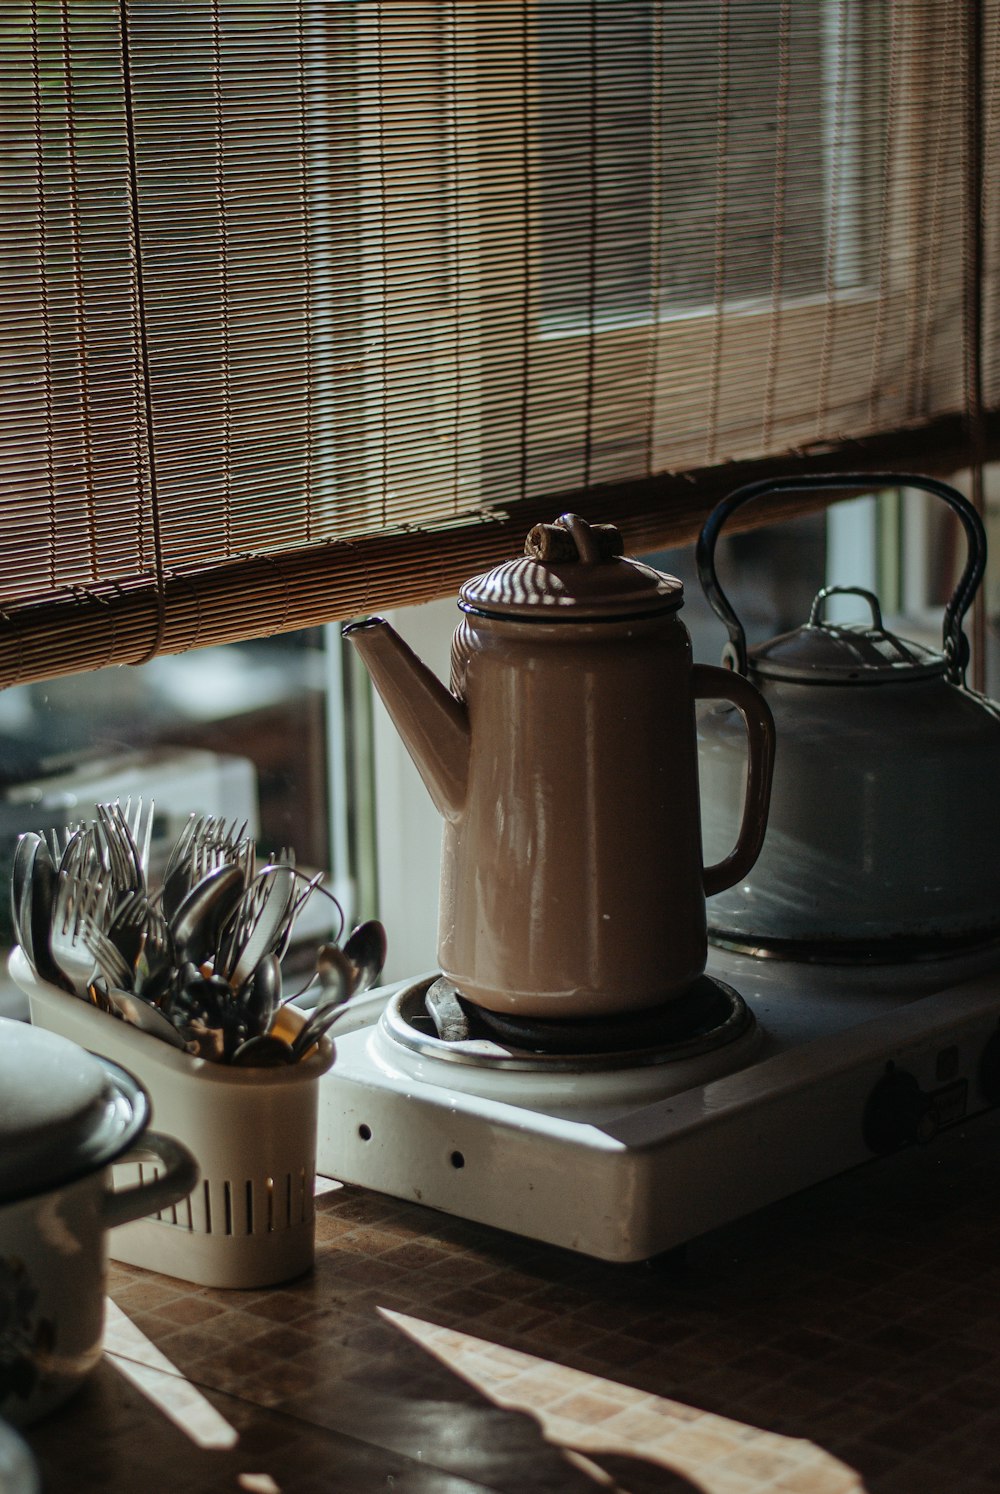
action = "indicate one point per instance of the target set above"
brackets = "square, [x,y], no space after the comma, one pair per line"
[955,644]
[711,683]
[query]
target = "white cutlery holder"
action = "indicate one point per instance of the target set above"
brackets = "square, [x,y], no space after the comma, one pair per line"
[250,1220]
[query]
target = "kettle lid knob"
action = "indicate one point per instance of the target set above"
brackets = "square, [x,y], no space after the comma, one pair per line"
[572,539]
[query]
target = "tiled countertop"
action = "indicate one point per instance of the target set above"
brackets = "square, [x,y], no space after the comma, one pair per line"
[848,1338]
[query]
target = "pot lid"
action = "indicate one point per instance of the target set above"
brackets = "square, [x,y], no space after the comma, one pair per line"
[840,654]
[63,1112]
[572,571]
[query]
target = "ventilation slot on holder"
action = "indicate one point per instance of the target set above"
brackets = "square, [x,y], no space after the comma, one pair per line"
[268,1205]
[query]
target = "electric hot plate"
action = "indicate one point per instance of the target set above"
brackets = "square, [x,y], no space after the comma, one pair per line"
[792,1073]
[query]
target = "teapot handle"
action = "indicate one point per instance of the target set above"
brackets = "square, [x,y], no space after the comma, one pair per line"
[954,642]
[712,683]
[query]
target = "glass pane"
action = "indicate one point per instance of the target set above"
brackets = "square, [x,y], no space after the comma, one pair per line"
[692,156]
[240,732]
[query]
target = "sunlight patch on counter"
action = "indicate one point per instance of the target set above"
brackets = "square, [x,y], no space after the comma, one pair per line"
[588,1414]
[150,1371]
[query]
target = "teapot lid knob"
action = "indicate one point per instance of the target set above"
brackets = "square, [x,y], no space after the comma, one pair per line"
[572,572]
[571,538]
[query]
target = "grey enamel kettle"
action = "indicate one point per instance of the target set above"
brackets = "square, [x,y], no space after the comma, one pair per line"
[883,840]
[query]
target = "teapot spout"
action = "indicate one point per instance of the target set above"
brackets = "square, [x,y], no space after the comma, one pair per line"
[433,724]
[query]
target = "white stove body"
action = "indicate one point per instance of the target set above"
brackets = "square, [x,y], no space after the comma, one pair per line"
[632,1163]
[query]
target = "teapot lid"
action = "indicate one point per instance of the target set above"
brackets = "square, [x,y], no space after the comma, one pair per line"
[572,571]
[829,653]
[63,1112]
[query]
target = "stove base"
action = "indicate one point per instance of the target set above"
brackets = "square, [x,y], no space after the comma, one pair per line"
[626,1182]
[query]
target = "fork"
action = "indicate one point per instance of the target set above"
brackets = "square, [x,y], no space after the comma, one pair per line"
[82,859]
[158,949]
[140,832]
[125,863]
[78,910]
[204,844]
[188,835]
[141,935]
[59,841]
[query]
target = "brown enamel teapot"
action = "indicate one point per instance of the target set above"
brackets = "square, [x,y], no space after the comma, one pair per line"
[564,763]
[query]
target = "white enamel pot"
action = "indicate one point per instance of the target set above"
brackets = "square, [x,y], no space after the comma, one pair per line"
[65,1116]
[883,839]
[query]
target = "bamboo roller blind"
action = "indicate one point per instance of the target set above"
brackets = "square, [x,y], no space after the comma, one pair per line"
[312,307]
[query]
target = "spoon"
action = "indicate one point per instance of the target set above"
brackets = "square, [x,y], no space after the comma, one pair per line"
[261,996]
[269,1049]
[337,975]
[33,885]
[342,972]
[20,891]
[140,1014]
[266,907]
[365,949]
[265,1051]
[202,912]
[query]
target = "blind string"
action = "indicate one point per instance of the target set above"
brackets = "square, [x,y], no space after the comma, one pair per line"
[886,222]
[991,163]
[224,297]
[943,106]
[274,561]
[380,65]
[174,574]
[778,233]
[455,226]
[140,419]
[365,570]
[79,293]
[136,243]
[527,250]
[593,182]
[973,294]
[990,35]
[86,596]
[43,283]
[833,229]
[307,276]
[721,235]
[656,208]
[909,278]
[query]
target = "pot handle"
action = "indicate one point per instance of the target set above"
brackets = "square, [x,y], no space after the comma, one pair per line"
[712,683]
[954,642]
[158,1193]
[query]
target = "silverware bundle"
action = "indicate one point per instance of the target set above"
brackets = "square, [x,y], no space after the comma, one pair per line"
[195,961]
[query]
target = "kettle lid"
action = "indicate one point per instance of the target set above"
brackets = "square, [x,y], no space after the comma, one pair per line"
[829,653]
[572,571]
